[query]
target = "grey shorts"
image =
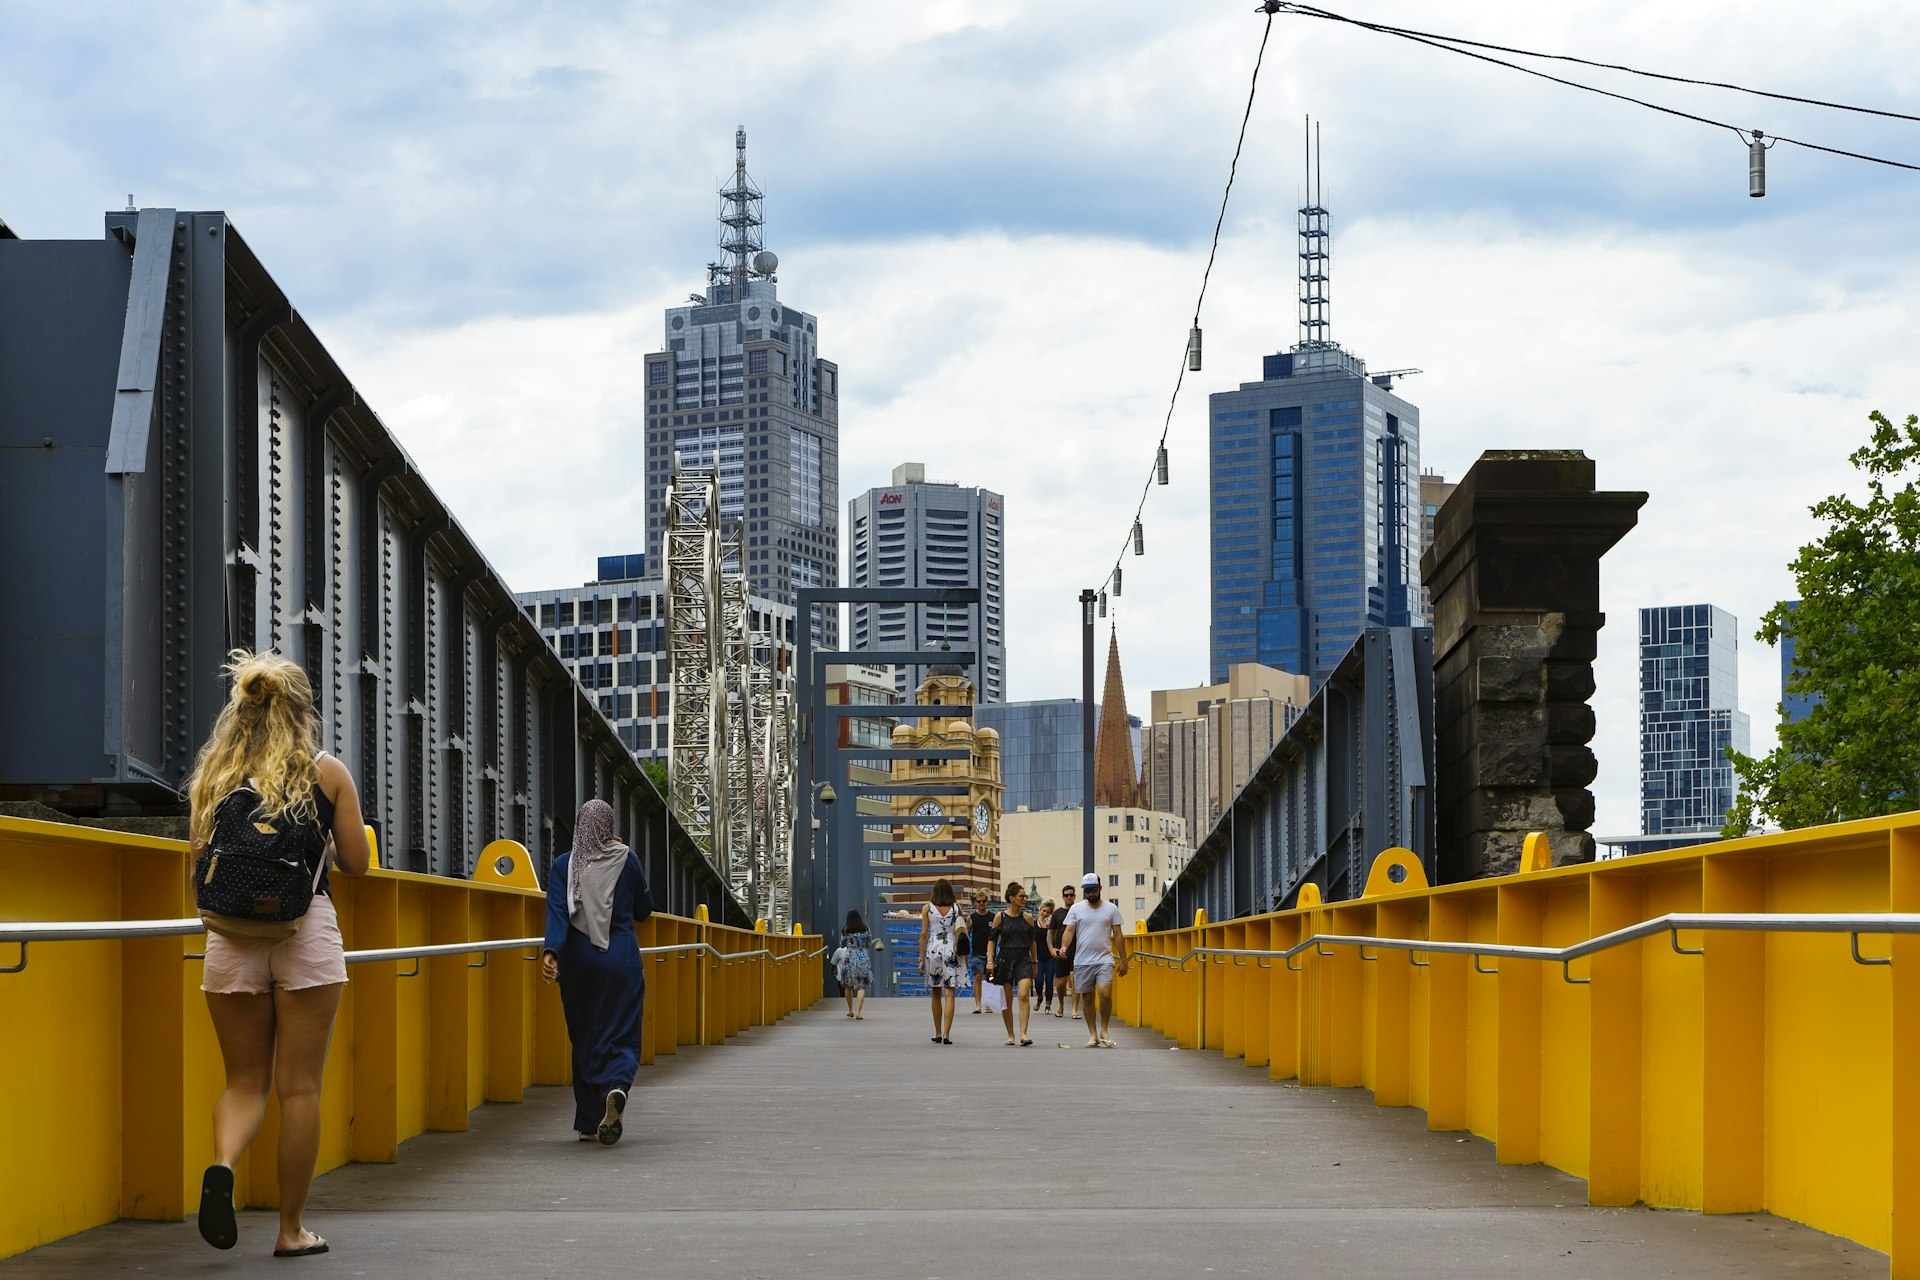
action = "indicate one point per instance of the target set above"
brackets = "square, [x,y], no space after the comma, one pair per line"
[1087,977]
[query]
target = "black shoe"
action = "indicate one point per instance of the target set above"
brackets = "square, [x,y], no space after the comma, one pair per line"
[215,1219]
[610,1126]
[946,1042]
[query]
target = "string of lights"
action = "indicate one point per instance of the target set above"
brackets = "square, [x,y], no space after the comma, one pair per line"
[1190,356]
[1754,138]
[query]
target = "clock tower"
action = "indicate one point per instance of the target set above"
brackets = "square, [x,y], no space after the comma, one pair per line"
[943,813]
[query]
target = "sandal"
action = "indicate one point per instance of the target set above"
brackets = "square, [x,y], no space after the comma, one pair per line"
[318,1246]
[1025,1043]
[215,1219]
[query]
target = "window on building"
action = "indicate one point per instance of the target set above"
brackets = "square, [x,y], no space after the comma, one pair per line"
[1112,858]
[566,613]
[1129,822]
[1139,904]
[1139,877]
[1113,882]
[1113,839]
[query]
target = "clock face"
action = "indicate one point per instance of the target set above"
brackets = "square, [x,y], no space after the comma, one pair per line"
[932,815]
[980,818]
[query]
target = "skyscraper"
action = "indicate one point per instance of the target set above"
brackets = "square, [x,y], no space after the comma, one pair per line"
[1689,715]
[1314,493]
[741,388]
[918,533]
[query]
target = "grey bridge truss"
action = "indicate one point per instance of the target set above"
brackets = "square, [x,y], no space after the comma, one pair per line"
[184,470]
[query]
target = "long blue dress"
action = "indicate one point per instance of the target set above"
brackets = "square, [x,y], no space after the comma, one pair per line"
[602,992]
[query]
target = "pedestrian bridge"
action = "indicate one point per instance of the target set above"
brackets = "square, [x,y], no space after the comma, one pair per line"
[1732,1042]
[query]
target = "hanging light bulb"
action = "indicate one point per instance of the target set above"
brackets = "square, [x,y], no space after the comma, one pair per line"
[1193,349]
[1160,465]
[1116,580]
[1103,604]
[1757,165]
[1139,539]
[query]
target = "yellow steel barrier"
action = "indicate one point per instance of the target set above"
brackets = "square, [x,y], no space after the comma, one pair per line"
[1729,1072]
[109,1068]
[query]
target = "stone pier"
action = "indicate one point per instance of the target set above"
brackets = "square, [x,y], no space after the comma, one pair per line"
[1514,571]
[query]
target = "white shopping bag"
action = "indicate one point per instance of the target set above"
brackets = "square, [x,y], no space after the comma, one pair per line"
[993,997]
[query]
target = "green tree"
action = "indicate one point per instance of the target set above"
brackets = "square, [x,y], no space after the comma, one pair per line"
[1857,648]
[656,774]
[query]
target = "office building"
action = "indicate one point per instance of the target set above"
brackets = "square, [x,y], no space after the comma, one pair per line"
[611,634]
[740,388]
[1793,706]
[1204,743]
[1689,715]
[1040,750]
[1314,497]
[863,685]
[921,533]
[1434,492]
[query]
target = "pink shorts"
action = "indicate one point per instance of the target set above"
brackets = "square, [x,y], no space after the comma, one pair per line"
[313,957]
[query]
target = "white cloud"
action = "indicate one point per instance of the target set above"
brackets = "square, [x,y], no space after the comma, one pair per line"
[999,211]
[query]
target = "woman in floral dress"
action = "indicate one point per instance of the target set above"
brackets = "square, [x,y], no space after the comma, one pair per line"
[942,962]
[855,970]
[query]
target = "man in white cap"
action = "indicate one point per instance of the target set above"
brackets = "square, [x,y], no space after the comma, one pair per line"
[1094,939]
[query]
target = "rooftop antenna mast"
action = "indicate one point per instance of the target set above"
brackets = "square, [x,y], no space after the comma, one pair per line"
[744,258]
[1316,253]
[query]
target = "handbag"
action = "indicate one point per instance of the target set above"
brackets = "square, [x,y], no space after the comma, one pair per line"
[993,997]
[251,880]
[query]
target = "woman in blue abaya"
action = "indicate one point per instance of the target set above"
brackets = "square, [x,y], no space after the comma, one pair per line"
[595,895]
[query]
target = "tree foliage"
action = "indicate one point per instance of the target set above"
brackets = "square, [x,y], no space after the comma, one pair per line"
[1857,650]
[657,774]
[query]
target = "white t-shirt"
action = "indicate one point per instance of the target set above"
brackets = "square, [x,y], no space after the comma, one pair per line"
[1093,932]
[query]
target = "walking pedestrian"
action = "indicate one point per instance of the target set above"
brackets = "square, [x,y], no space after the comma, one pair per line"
[596,893]
[855,971]
[979,922]
[1099,951]
[272,999]
[1064,996]
[943,932]
[1043,973]
[1012,947]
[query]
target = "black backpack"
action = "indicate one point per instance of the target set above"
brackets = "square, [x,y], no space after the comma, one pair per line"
[252,881]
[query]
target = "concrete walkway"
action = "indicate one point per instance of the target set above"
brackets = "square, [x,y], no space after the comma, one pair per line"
[826,1147]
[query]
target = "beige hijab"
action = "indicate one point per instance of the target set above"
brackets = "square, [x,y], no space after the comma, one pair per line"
[593,873]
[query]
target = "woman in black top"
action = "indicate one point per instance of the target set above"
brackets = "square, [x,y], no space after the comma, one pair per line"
[978,922]
[1013,953]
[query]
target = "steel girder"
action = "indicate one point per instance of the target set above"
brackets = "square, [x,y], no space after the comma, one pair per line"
[241,493]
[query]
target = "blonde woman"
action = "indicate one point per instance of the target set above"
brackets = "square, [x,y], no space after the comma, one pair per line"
[1043,975]
[273,1001]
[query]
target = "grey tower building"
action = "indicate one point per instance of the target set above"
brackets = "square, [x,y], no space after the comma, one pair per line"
[919,534]
[1314,495]
[741,387]
[1689,715]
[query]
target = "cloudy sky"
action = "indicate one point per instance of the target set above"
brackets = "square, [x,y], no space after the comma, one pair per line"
[1000,212]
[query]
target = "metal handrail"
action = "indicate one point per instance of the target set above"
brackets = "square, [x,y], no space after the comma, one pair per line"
[1852,923]
[23,932]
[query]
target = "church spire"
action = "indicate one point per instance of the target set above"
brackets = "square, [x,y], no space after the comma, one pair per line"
[1116,782]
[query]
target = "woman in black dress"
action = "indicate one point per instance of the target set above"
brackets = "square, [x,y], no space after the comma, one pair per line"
[1013,954]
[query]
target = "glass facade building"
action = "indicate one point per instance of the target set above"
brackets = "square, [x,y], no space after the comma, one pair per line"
[1040,752]
[1315,513]
[1793,706]
[740,389]
[1689,715]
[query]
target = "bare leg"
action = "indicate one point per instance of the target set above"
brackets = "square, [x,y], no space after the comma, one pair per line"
[860,1002]
[1006,1016]
[1106,1011]
[979,989]
[1026,1007]
[935,996]
[947,1006]
[305,1025]
[244,1025]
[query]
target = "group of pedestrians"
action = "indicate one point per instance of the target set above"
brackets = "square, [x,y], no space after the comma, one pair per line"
[1066,954]
[271,815]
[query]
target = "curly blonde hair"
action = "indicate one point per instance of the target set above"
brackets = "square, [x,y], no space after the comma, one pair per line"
[268,733]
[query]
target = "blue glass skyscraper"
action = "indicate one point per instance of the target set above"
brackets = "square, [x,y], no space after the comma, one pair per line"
[1314,491]
[1689,715]
[1315,512]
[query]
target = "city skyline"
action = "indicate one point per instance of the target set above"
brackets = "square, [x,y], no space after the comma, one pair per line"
[496,289]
